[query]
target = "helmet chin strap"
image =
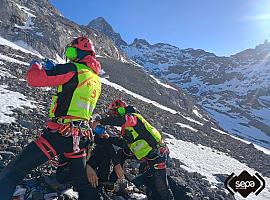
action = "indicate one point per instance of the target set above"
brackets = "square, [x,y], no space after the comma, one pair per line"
[81,55]
[77,59]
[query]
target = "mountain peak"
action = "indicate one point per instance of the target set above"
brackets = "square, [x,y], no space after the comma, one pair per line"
[101,25]
[138,41]
[101,19]
[263,46]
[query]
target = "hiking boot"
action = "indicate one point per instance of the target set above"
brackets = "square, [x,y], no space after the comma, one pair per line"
[19,193]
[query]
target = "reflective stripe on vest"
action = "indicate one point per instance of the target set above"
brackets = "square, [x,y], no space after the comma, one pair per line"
[140,147]
[85,95]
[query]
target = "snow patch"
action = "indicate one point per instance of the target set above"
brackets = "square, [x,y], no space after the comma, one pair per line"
[59,60]
[187,126]
[238,125]
[71,193]
[17,47]
[23,8]
[122,59]
[26,46]
[39,34]
[10,100]
[192,120]
[9,59]
[196,112]
[142,53]
[28,24]
[163,84]
[208,162]
[118,87]
[138,196]
[262,113]
[266,151]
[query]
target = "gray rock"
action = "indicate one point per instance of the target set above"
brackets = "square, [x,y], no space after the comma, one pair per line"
[15,149]
[7,154]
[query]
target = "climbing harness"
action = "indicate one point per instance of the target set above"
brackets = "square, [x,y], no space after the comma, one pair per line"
[76,130]
[80,132]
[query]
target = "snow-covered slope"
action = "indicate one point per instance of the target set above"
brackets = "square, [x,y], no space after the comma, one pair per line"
[199,158]
[10,100]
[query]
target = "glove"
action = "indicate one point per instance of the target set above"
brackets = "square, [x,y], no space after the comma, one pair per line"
[48,64]
[99,130]
[128,137]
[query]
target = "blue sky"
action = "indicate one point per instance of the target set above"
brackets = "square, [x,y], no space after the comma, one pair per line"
[223,27]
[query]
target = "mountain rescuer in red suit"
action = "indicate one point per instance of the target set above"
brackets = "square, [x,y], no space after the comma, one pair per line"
[140,140]
[67,133]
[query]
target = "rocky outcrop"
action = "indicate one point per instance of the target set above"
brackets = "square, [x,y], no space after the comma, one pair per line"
[101,25]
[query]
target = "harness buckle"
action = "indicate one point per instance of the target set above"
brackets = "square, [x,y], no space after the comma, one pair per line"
[76,130]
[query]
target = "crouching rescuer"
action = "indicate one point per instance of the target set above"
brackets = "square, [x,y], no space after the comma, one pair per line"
[140,140]
[67,133]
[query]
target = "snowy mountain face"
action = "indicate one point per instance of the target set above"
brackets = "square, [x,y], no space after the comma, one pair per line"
[234,90]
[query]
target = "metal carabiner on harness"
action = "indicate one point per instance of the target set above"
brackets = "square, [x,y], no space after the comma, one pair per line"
[75,133]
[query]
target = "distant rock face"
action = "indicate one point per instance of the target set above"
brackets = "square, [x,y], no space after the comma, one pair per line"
[235,90]
[101,25]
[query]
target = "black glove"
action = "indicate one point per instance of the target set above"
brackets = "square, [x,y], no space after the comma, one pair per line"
[128,137]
